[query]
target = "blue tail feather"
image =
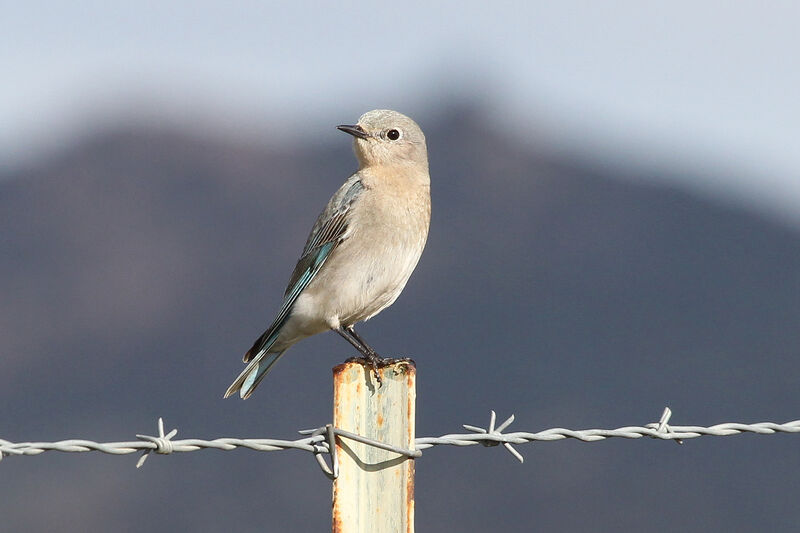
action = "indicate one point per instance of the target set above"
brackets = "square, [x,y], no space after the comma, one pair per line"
[253,373]
[255,376]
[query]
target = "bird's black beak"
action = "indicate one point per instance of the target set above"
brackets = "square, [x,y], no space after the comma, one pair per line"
[355,131]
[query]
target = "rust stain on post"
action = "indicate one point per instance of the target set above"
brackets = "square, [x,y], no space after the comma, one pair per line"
[375,489]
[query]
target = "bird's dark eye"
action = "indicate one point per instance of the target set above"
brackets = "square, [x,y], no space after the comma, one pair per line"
[392,135]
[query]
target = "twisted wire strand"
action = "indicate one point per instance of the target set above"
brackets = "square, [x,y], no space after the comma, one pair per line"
[319,441]
[594,435]
[184,445]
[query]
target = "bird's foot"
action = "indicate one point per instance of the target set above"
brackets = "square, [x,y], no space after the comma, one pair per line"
[374,361]
[395,360]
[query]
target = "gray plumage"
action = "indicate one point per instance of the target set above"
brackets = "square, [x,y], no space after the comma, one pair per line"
[362,248]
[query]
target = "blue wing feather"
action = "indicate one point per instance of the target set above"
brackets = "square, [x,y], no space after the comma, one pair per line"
[328,231]
[261,359]
[311,263]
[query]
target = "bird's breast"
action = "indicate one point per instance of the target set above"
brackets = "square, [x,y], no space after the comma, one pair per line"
[369,269]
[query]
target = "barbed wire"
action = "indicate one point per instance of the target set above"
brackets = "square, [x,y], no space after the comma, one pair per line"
[321,441]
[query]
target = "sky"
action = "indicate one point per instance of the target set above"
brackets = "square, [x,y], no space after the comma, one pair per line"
[706,87]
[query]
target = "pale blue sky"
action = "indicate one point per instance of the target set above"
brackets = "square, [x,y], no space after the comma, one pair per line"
[710,86]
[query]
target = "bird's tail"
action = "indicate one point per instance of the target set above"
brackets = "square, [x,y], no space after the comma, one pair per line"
[253,373]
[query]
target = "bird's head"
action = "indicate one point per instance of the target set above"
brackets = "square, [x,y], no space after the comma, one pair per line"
[385,137]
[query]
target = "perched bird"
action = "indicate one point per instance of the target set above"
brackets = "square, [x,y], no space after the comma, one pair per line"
[362,248]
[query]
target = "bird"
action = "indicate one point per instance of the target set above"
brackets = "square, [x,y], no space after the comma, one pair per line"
[362,248]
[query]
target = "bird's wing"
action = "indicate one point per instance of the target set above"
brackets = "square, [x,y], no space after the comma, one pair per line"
[327,224]
[329,230]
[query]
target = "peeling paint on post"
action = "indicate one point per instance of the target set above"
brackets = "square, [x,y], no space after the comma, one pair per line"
[374,492]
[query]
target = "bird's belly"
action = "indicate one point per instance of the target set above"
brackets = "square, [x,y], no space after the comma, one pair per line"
[356,284]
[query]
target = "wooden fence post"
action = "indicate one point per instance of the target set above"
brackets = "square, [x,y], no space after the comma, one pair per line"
[374,492]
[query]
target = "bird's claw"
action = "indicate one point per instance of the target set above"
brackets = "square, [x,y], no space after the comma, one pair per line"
[395,360]
[375,362]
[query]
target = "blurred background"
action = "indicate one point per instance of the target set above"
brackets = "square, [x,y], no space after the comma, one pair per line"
[616,228]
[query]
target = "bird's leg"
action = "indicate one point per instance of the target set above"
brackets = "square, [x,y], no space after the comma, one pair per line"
[349,337]
[382,360]
[363,343]
[368,353]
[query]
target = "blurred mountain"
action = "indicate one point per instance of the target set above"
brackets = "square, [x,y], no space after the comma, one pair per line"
[137,266]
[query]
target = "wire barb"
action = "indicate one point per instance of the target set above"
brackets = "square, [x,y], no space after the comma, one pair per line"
[163,444]
[498,432]
[662,426]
